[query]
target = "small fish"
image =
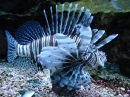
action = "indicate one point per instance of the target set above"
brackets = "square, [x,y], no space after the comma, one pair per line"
[67,46]
[28,94]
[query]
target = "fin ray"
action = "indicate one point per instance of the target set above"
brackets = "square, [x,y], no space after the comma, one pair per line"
[106,40]
[98,35]
[28,32]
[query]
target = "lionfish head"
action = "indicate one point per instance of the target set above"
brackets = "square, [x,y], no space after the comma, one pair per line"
[96,58]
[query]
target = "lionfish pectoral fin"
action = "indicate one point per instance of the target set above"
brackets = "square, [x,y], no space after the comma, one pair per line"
[67,44]
[11,47]
[98,35]
[85,35]
[106,40]
[52,58]
[29,31]
[94,31]
[86,19]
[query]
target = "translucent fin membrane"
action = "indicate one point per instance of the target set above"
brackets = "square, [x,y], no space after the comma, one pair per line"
[52,58]
[52,23]
[67,18]
[86,19]
[11,47]
[94,31]
[56,26]
[48,26]
[73,78]
[67,43]
[61,20]
[98,35]
[106,40]
[76,21]
[66,23]
[85,35]
[72,17]
[28,32]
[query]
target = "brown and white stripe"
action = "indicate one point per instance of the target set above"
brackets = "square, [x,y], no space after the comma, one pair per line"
[35,47]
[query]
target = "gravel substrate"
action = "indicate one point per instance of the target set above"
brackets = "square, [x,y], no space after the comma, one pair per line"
[15,80]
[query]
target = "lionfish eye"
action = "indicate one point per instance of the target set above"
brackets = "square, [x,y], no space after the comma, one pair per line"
[78,26]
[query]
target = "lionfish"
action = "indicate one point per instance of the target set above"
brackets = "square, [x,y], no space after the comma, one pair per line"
[66,46]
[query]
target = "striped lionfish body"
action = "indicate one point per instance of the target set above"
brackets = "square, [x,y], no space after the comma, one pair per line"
[65,46]
[31,49]
[31,34]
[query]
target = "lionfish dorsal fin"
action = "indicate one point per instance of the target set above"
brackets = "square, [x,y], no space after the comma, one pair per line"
[65,23]
[28,32]
[48,26]
[98,35]
[75,21]
[86,19]
[106,40]
[69,27]
[85,35]
[67,18]
[61,19]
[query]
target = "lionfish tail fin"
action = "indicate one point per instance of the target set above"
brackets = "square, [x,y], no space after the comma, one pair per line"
[11,47]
